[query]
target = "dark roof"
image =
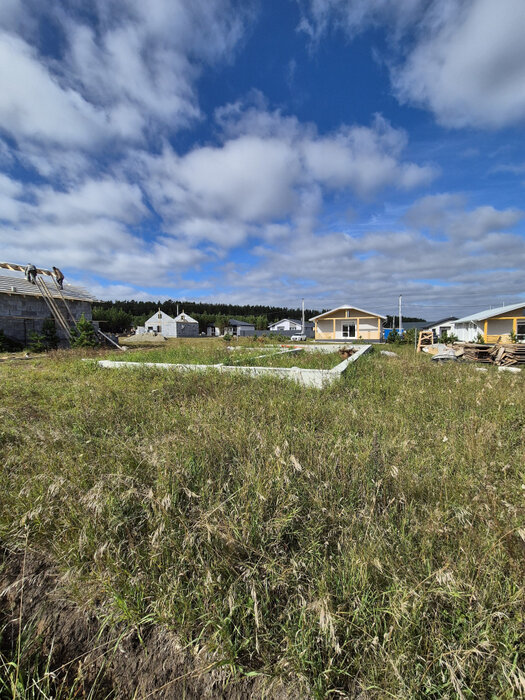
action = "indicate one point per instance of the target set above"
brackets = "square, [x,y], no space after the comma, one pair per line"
[20,286]
[414,324]
[441,320]
[233,322]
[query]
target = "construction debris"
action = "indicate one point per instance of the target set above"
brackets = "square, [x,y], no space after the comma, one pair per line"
[346,352]
[445,355]
[501,355]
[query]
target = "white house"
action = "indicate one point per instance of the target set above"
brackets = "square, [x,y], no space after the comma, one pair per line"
[348,323]
[285,324]
[493,325]
[182,326]
[442,327]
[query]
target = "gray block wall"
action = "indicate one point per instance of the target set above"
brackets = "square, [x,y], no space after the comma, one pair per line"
[187,330]
[22,315]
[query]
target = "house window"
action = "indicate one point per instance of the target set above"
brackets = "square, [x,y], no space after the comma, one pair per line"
[347,314]
[159,328]
[520,331]
[349,330]
[159,315]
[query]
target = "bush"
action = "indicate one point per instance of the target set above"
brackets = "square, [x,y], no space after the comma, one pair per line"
[393,337]
[227,336]
[448,338]
[83,336]
[37,342]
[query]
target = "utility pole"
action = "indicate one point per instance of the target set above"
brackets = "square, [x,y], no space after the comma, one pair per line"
[303,332]
[400,316]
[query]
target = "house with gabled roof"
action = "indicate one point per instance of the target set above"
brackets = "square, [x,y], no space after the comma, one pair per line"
[182,326]
[290,324]
[494,325]
[347,322]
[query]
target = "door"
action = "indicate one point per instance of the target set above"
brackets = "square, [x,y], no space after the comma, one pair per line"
[349,329]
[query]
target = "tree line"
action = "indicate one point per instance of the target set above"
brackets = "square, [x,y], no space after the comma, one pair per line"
[121,316]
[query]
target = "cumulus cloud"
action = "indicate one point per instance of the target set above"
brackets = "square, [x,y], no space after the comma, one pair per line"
[271,167]
[467,61]
[127,72]
[34,104]
[435,256]
[470,67]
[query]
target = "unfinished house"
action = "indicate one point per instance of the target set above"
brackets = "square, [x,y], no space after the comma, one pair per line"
[24,308]
[493,325]
[348,323]
[182,326]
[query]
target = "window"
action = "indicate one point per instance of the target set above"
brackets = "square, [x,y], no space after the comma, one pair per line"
[159,315]
[159,328]
[349,330]
[520,331]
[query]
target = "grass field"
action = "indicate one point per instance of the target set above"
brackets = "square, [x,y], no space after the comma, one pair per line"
[209,352]
[368,538]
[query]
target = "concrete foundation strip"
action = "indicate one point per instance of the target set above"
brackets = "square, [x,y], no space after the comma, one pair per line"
[318,378]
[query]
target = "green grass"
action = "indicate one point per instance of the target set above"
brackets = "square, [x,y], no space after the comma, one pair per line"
[216,352]
[368,537]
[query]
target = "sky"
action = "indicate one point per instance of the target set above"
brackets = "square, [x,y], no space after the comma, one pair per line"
[264,151]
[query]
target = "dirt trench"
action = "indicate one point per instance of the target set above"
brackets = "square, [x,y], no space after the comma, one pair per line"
[121,663]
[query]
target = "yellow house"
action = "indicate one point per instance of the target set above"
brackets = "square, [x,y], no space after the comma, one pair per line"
[494,325]
[348,323]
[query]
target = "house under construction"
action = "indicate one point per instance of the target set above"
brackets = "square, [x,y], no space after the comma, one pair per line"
[25,305]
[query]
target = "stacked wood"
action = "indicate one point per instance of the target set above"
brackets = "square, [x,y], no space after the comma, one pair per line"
[477,352]
[502,355]
[508,354]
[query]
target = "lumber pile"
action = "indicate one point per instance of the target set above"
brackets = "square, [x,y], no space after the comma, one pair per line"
[502,355]
[508,354]
[477,352]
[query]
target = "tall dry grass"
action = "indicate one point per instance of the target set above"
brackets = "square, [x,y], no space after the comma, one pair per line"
[367,538]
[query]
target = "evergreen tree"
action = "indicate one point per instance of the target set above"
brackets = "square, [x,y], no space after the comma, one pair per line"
[83,336]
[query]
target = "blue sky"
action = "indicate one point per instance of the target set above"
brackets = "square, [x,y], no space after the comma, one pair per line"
[344,151]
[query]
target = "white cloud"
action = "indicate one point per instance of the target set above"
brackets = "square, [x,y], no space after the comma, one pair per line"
[469,68]
[34,105]
[272,168]
[439,260]
[353,16]
[131,76]
[466,63]
[94,198]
